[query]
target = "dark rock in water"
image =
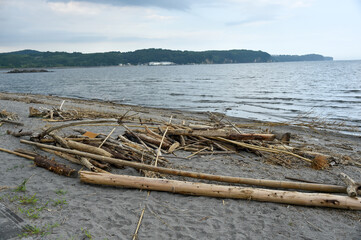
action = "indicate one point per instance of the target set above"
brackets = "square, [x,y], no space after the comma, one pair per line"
[28,71]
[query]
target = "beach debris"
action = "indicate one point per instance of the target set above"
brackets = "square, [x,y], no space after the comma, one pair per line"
[200,139]
[353,188]
[213,190]
[11,122]
[19,133]
[53,166]
[135,235]
[9,117]
[53,113]
[319,162]
[211,177]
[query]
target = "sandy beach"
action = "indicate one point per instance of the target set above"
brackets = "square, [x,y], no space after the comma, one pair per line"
[68,209]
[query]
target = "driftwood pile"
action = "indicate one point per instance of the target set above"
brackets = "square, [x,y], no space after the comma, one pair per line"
[9,117]
[55,113]
[148,147]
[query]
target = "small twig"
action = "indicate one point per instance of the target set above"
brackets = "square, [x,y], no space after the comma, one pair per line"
[135,236]
[106,138]
[300,180]
[161,142]
[61,105]
[196,152]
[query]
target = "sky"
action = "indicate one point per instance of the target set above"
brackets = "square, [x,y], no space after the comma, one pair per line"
[327,27]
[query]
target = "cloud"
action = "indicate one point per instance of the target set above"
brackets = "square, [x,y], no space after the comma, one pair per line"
[73,8]
[167,4]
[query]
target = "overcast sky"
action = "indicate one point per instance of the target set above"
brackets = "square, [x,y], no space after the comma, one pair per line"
[327,27]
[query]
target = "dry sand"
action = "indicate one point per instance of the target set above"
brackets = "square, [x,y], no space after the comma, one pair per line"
[75,210]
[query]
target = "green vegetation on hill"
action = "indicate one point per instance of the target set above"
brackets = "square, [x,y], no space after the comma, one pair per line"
[36,59]
[295,58]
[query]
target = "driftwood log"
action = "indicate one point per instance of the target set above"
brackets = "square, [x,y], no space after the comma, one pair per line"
[54,166]
[211,177]
[212,190]
[87,148]
[230,134]
[19,133]
[11,122]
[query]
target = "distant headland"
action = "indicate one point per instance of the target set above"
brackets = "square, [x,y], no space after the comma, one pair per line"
[152,56]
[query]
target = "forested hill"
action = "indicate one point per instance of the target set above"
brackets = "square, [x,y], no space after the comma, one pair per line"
[33,59]
[296,58]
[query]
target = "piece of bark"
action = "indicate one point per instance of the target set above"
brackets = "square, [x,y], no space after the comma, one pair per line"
[104,166]
[211,177]
[213,190]
[173,147]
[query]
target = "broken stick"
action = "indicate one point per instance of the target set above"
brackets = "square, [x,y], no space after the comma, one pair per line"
[353,188]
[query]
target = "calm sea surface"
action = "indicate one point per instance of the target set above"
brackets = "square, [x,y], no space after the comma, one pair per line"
[263,91]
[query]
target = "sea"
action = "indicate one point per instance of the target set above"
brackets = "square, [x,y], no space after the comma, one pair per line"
[322,92]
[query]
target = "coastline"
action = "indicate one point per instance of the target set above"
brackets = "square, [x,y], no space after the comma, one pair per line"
[113,213]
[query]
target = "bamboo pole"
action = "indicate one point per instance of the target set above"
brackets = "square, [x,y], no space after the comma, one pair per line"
[211,177]
[212,190]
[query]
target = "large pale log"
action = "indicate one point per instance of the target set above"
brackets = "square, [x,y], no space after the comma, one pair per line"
[212,190]
[228,179]
[230,134]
